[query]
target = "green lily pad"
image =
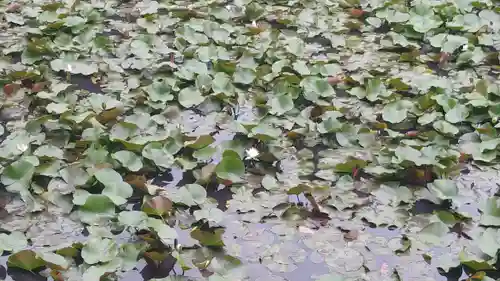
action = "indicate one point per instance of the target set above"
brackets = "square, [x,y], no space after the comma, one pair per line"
[128,159]
[114,187]
[230,167]
[99,250]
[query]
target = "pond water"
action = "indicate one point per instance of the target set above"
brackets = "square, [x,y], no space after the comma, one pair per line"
[252,140]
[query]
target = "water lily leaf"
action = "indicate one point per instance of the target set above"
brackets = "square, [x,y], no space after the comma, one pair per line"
[281,104]
[158,206]
[54,261]
[392,15]
[13,242]
[331,277]
[114,187]
[457,114]
[397,111]
[330,123]
[443,189]
[428,118]
[349,165]
[95,272]
[222,84]
[433,233]
[269,182]
[74,21]
[301,67]
[200,142]
[19,171]
[205,153]
[315,87]
[128,159]
[74,66]
[190,96]
[448,43]
[489,242]
[159,91]
[25,259]
[491,212]
[375,89]
[209,238]
[158,154]
[92,202]
[147,7]
[166,234]
[445,127]
[393,195]
[190,195]
[244,76]
[213,216]
[57,108]
[49,151]
[136,219]
[265,132]
[423,19]
[231,167]
[74,174]
[99,250]
[408,153]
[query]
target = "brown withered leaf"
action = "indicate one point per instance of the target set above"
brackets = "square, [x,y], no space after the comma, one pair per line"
[137,181]
[109,115]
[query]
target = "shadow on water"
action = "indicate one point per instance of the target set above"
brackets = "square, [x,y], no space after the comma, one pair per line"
[82,82]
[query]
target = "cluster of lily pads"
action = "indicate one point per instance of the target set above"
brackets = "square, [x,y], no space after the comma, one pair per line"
[359,109]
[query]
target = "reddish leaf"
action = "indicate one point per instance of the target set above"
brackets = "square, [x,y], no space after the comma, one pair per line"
[136,181]
[38,87]
[355,173]
[13,7]
[56,275]
[227,182]
[463,157]
[10,89]
[443,58]
[357,13]
[334,80]
[411,134]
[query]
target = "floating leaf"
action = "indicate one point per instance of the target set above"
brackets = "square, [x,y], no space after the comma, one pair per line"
[230,167]
[114,187]
[397,111]
[99,250]
[128,159]
[190,194]
[213,216]
[281,104]
[491,212]
[25,259]
[165,232]
[189,97]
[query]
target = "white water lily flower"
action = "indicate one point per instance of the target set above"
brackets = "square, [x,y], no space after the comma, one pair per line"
[251,153]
